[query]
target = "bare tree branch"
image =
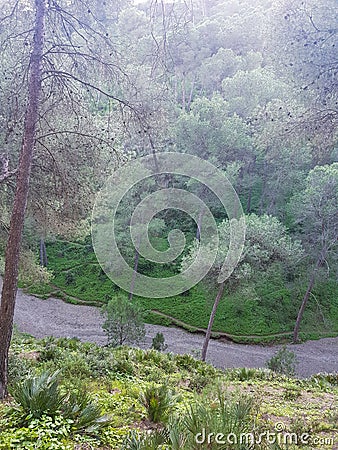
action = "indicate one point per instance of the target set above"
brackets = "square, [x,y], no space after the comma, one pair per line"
[68,75]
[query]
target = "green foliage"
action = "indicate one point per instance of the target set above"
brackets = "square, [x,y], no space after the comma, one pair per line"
[18,368]
[195,395]
[219,413]
[292,393]
[203,416]
[151,441]
[86,415]
[158,401]
[43,433]
[39,395]
[315,210]
[266,243]
[284,362]
[247,86]
[30,272]
[326,379]
[245,374]
[123,321]
[266,304]
[158,342]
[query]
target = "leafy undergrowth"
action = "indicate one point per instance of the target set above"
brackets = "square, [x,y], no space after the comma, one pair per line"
[150,400]
[255,313]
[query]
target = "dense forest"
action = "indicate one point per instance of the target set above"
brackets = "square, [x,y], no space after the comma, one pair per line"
[89,88]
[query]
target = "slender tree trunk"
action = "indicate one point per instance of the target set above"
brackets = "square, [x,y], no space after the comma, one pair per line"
[250,173]
[200,215]
[306,297]
[199,224]
[248,204]
[191,95]
[263,192]
[132,284]
[183,93]
[10,281]
[136,260]
[43,253]
[211,320]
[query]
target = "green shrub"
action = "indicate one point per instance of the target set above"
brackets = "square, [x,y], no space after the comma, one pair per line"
[85,414]
[198,381]
[245,374]
[158,342]
[213,415]
[75,364]
[101,362]
[149,441]
[50,352]
[284,362]
[123,361]
[331,378]
[69,278]
[123,321]
[155,359]
[18,368]
[230,415]
[158,401]
[39,395]
[30,272]
[44,433]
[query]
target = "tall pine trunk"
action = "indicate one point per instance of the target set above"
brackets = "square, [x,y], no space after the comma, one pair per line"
[211,320]
[133,280]
[307,296]
[10,280]
[43,253]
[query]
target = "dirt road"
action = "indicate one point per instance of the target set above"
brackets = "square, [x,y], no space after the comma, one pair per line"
[53,317]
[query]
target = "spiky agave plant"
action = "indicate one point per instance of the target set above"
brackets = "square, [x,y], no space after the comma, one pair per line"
[153,440]
[159,402]
[38,395]
[223,414]
[41,395]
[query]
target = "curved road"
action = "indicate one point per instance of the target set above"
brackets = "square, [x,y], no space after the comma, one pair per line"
[53,317]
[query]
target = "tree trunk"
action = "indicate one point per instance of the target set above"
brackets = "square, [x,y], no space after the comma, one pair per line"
[183,93]
[199,224]
[306,297]
[43,253]
[10,281]
[136,260]
[211,320]
[191,95]
[250,173]
[248,204]
[132,284]
[263,191]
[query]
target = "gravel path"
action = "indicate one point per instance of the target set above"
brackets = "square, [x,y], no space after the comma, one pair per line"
[53,317]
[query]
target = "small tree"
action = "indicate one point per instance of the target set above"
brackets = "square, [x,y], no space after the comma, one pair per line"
[267,243]
[315,211]
[283,361]
[123,321]
[158,342]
